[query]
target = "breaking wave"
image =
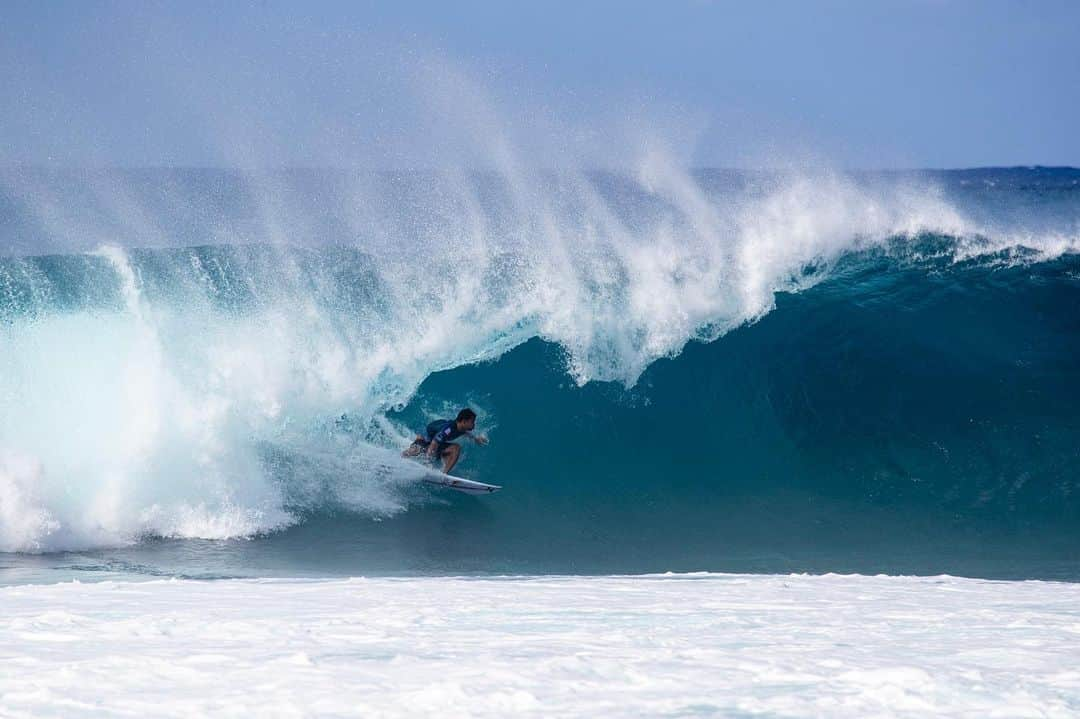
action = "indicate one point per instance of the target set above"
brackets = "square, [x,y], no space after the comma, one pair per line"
[221,355]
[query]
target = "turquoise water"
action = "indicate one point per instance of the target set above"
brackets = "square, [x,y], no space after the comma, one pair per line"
[716,371]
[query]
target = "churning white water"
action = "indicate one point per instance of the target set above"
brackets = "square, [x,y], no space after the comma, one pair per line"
[678,645]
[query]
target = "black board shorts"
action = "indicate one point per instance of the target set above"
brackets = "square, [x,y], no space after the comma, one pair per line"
[423,445]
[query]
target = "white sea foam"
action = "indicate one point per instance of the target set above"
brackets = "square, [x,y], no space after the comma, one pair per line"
[838,646]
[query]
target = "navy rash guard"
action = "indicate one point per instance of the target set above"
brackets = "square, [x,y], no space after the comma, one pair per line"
[443,431]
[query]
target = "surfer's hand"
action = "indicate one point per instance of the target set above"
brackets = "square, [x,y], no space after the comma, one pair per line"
[480,440]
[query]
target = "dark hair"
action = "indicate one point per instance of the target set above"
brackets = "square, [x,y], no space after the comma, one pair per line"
[465,415]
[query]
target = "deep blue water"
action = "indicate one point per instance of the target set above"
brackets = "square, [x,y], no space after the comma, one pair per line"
[879,375]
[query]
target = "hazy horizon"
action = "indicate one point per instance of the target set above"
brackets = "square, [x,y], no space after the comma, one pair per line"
[890,85]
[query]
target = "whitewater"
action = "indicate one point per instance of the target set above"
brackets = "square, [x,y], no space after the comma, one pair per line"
[678,645]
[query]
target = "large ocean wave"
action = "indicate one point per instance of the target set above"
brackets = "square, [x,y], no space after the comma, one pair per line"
[215,355]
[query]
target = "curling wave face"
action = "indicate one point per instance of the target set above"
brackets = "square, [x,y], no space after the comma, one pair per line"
[260,364]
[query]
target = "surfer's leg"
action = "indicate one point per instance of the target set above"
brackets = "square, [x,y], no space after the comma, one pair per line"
[450,457]
[415,448]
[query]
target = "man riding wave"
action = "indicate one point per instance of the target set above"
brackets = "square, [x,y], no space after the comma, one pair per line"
[437,442]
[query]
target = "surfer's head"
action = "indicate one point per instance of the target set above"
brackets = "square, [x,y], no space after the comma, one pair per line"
[466,420]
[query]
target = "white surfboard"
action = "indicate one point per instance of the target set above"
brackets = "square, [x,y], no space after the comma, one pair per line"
[462,485]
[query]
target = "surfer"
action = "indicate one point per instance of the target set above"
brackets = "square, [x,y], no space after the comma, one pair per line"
[438,439]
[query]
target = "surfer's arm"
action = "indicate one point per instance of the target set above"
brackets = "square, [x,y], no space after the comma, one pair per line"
[431,447]
[478,438]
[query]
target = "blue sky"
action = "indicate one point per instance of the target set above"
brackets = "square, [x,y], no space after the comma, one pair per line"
[923,83]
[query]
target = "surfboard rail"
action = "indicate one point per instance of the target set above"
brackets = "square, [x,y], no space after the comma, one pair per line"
[461,484]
